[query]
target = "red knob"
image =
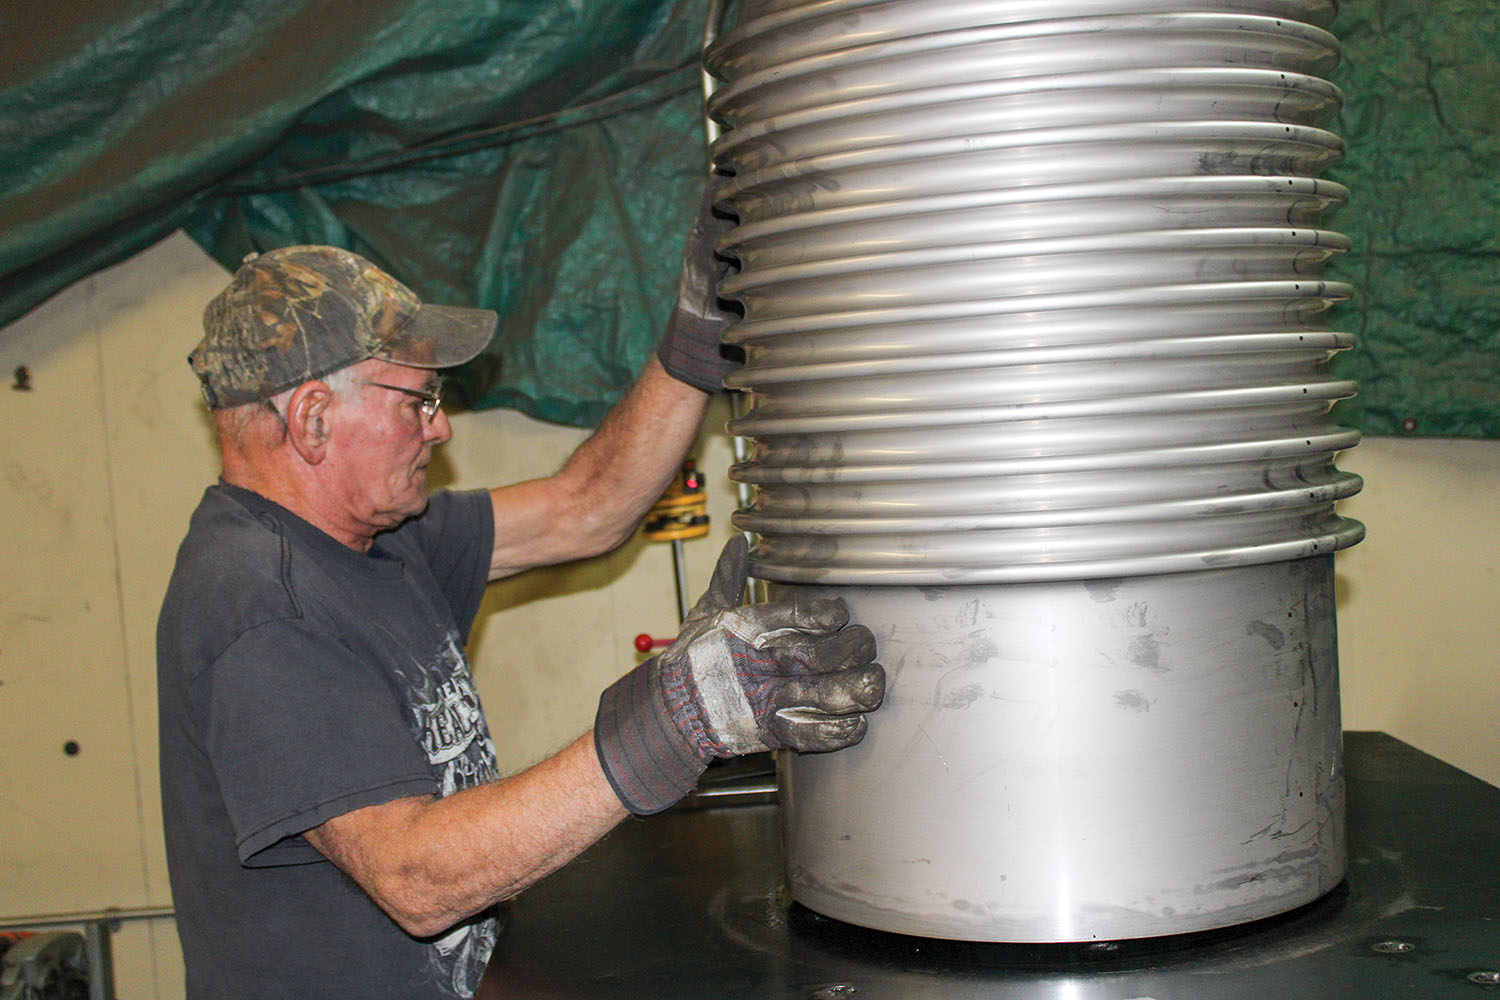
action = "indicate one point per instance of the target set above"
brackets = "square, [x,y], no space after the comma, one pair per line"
[645,644]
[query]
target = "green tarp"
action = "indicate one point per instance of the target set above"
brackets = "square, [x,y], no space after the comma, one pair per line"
[1422,123]
[542,158]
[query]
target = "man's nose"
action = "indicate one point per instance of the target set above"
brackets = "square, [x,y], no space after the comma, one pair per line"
[438,430]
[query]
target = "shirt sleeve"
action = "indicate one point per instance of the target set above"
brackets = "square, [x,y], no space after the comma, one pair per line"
[298,731]
[456,536]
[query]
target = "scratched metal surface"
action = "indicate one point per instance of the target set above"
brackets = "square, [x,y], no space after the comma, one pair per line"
[1033,298]
[690,905]
[1121,758]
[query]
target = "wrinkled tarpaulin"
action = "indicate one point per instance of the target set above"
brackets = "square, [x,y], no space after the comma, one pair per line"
[542,159]
[1422,123]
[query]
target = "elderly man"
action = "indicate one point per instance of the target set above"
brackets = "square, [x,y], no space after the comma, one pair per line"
[335,823]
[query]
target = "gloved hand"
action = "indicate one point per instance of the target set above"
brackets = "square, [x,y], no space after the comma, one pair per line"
[690,349]
[738,679]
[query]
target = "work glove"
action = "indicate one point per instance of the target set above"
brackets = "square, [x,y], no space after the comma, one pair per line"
[691,349]
[738,679]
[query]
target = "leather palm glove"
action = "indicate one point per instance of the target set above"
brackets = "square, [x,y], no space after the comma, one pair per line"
[739,678]
[691,348]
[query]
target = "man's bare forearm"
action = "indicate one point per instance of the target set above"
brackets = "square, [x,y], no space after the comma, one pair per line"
[430,862]
[609,482]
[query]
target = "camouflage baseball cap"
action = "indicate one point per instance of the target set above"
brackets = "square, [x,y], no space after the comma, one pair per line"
[303,312]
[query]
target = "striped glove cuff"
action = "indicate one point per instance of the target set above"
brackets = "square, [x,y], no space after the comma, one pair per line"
[646,758]
[691,351]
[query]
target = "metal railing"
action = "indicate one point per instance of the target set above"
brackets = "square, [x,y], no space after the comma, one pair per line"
[96,926]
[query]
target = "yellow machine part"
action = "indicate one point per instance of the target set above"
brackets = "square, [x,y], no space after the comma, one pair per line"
[682,511]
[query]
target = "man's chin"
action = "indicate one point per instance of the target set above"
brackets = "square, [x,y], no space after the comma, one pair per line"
[393,519]
[418,505]
[419,492]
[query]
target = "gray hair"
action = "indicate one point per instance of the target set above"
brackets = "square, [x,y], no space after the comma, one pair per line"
[237,424]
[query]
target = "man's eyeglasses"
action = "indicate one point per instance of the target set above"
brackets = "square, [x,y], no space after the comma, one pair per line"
[430,400]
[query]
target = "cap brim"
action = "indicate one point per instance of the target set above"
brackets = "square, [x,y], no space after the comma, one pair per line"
[441,337]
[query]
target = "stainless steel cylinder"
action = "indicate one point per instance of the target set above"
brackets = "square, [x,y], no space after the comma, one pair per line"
[1037,379]
[1102,759]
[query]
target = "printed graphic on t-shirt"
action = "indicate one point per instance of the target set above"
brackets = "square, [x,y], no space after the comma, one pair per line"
[449,724]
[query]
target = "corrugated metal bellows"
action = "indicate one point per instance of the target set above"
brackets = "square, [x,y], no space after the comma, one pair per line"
[1037,379]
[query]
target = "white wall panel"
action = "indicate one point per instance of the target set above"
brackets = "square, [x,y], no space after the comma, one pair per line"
[1419,598]
[72,832]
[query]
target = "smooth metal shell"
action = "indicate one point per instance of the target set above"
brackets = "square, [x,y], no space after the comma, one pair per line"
[1083,760]
[1033,299]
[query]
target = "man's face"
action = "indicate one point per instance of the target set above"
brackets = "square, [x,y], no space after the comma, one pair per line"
[382,442]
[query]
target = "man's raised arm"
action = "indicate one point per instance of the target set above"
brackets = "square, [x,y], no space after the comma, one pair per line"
[596,499]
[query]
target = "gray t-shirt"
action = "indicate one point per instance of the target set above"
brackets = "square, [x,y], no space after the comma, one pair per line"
[299,680]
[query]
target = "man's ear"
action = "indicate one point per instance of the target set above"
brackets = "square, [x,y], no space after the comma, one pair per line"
[308,422]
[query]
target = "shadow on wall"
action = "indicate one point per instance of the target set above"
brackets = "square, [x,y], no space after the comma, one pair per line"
[1345,589]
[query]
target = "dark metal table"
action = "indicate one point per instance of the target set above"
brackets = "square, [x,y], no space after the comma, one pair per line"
[690,904]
